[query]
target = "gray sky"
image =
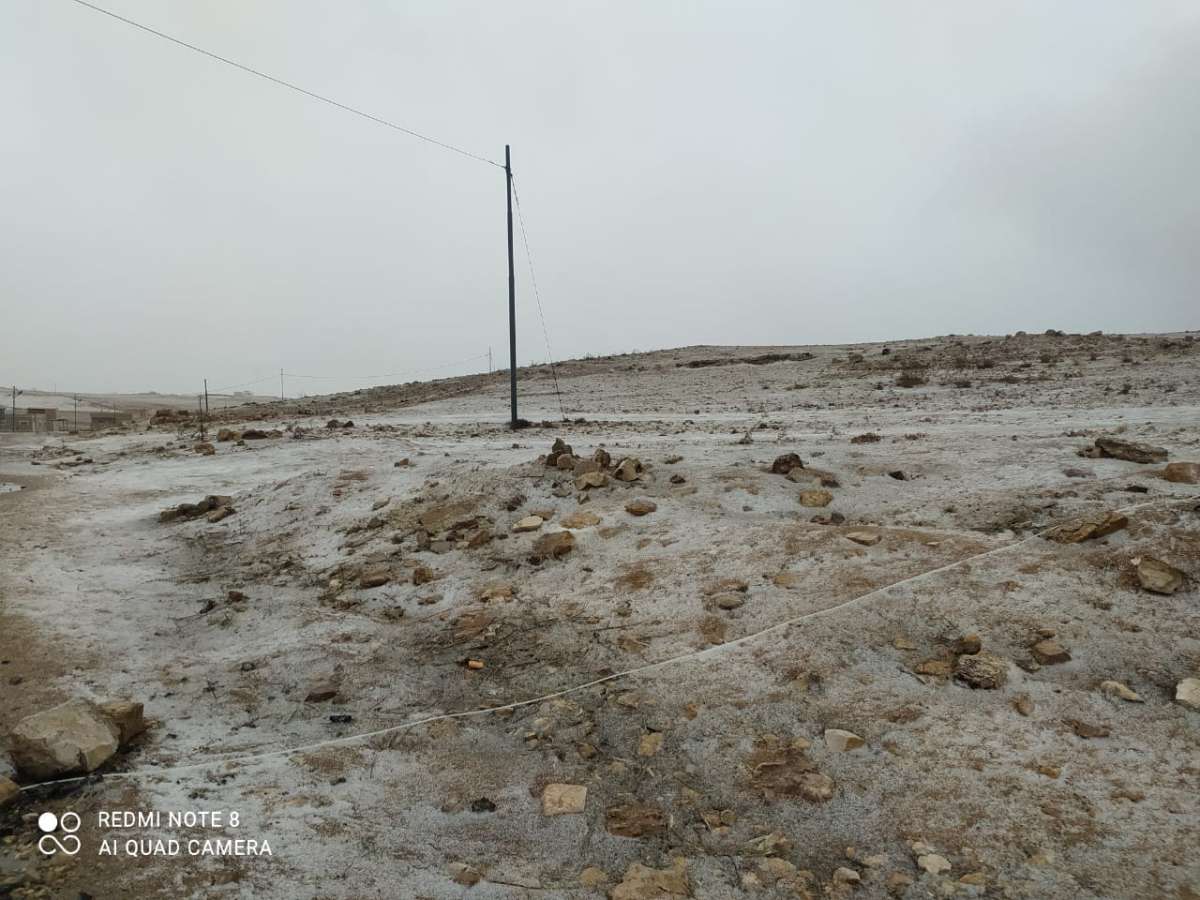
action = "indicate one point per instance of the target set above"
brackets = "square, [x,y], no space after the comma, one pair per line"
[691,173]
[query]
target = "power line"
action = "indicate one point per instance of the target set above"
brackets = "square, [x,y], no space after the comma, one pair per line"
[537,296]
[457,362]
[287,84]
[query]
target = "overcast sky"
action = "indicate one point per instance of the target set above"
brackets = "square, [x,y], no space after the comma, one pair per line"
[700,172]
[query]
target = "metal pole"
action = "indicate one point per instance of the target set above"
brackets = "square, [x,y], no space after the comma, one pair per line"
[512,296]
[281,384]
[206,396]
[76,413]
[14,428]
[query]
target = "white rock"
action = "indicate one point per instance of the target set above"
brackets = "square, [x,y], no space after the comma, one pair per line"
[1187,692]
[1120,691]
[841,741]
[529,523]
[563,799]
[72,738]
[933,863]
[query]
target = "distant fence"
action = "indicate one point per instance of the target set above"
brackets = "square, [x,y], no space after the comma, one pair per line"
[46,420]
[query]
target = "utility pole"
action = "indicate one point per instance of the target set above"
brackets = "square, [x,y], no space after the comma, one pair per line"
[489,360]
[206,396]
[76,413]
[512,296]
[281,384]
[200,406]
[14,424]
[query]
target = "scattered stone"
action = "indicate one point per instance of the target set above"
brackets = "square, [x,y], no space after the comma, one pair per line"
[560,449]
[1079,473]
[640,507]
[650,743]
[1086,528]
[1182,472]
[815,498]
[1087,730]
[968,643]
[73,738]
[204,448]
[1187,692]
[933,863]
[728,601]
[1024,705]
[554,545]
[591,480]
[423,575]
[563,799]
[982,670]
[221,512]
[823,478]
[844,875]
[228,434]
[938,668]
[380,503]
[773,844]
[1119,691]
[643,883]
[322,690]
[602,457]
[788,580]
[898,474]
[1130,451]
[1050,652]
[584,466]
[677,479]
[461,873]
[593,877]
[580,519]
[840,741]
[401,463]
[898,883]
[529,523]
[375,578]
[784,464]
[866,538]
[1157,576]
[635,820]
[629,469]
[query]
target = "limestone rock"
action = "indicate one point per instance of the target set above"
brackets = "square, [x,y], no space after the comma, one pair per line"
[580,519]
[866,538]
[784,464]
[729,600]
[1086,528]
[843,875]
[554,545]
[643,883]
[820,476]
[984,670]
[1182,472]
[839,740]
[1119,691]
[933,863]
[529,523]
[127,716]
[629,469]
[635,820]
[1157,576]
[563,799]
[1187,692]
[1131,451]
[72,738]
[815,498]
[592,876]
[591,480]
[1050,652]
[640,507]
[375,578]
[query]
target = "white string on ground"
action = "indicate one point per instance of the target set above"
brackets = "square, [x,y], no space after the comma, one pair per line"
[705,653]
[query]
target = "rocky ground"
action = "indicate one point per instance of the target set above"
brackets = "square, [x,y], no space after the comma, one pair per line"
[943,650]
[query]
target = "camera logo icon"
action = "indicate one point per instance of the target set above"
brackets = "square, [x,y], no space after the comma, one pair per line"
[50,842]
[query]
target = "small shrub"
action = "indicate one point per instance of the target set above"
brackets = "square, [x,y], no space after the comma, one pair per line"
[910,378]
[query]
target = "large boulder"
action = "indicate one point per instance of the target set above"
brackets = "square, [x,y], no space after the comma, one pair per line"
[73,738]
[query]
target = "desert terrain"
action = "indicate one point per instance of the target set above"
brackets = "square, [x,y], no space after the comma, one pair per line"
[636,649]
